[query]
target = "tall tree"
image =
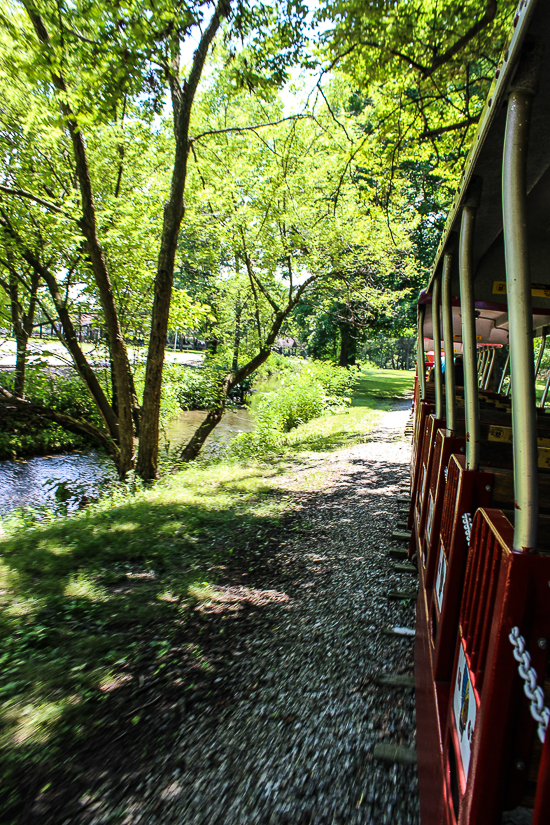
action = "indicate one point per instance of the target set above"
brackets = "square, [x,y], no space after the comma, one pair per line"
[92,61]
[20,315]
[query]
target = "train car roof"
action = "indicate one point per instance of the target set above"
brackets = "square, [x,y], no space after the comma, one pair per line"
[483,170]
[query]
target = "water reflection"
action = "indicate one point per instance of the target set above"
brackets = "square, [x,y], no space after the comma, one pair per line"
[180,429]
[28,483]
[25,483]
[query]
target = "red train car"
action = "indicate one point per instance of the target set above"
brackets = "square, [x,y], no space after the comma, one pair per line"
[480,467]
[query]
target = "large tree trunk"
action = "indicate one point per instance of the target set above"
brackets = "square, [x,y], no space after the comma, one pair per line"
[21,337]
[70,340]
[20,365]
[22,323]
[147,463]
[237,337]
[193,448]
[347,347]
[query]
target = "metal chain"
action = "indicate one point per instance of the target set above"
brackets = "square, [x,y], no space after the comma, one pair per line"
[446,473]
[467,522]
[534,693]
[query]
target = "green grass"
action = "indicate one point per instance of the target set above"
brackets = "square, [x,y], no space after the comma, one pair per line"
[94,600]
[539,388]
[375,383]
[343,429]
[90,602]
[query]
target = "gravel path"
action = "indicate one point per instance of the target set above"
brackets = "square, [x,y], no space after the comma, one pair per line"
[293,740]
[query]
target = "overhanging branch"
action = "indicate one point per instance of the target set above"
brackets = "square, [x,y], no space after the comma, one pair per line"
[21,193]
[66,421]
[246,128]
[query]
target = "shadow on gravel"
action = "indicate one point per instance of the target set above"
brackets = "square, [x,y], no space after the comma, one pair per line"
[115,640]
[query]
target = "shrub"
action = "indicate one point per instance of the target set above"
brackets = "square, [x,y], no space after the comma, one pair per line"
[320,388]
[198,388]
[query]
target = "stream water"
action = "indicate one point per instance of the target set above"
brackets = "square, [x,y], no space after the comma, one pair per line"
[32,482]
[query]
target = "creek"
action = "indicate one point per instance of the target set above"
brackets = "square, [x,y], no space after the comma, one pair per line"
[32,482]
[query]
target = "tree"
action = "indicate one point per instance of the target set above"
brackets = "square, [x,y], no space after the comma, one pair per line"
[428,65]
[21,311]
[288,213]
[92,62]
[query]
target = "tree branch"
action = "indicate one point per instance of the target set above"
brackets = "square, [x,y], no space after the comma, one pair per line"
[246,128]
[71,342]
[254,278]
[462,124]
[66,421]
[22,194]
[486,19]
[426,71]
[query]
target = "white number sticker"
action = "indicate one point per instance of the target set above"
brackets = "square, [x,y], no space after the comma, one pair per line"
[464,709]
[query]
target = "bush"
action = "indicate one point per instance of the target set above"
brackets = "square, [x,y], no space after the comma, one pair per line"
[197,388]
[337,382]
[320,388]
[200,388]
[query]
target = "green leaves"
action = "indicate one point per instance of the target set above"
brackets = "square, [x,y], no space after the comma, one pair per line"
[424,69]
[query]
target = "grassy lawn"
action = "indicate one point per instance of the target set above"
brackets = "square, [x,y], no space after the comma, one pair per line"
[539,388]
[95,603]
[53,346]
[383,384]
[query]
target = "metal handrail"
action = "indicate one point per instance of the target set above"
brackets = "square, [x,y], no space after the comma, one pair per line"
[489,368]
[471,398]
[436,335]
[541,352]
[484,359]
[421,369]
[545,393]
[447,312]
[504,371]
[520,314]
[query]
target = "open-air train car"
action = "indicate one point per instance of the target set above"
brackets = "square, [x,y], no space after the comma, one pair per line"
[480,469]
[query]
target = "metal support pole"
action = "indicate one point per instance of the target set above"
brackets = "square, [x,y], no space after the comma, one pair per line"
[436,335]
[447,311]
[520,314]
[471,399]
[489,368]
[545,393]
[488,353]
[541,352]
[483,365]
[420,368]
[503,376]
